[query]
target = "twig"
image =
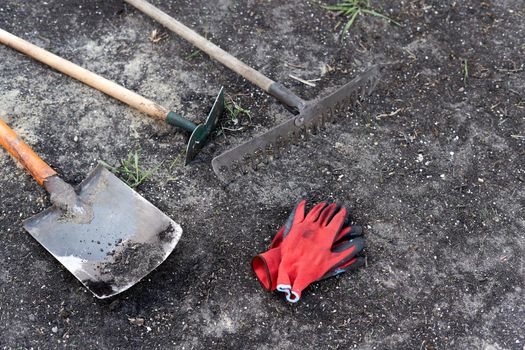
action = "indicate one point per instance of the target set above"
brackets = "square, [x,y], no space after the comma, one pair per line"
[295,65]
[306,82]
[230,129]
[379,116]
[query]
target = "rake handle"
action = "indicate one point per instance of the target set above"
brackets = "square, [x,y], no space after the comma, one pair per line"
[24,154]
[96,81]
[203,44]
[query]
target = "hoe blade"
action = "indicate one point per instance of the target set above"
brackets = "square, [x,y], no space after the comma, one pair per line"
[125,240]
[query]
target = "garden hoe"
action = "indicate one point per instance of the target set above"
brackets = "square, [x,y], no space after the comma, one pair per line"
[107,236]
[310,115]
[199,133]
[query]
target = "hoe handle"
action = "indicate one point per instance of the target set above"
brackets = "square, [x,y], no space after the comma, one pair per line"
[203,44]
[96,81]
[24,154]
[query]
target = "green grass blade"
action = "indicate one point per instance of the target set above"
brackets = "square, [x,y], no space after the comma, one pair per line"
[348,24]
[351,9]
[377,14]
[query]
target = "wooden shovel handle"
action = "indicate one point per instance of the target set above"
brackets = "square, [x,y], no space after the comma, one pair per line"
[96,81]
[204,44]
[24,154]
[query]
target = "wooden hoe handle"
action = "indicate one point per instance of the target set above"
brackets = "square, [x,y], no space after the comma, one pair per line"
[203,44]
[96,81]
[24,154]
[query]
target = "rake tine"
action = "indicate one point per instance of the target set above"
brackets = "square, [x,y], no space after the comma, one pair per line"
[293,137]
[269,153]
[357,95]
[362,92]
[245,164]
[240,167]
[348,105]
[322,120]
[258,158]
[304,133]
[316,127]
[373,83]
[336,110]
[280,144]
[319,125]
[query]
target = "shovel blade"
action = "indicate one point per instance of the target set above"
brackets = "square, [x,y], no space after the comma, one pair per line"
[126,238]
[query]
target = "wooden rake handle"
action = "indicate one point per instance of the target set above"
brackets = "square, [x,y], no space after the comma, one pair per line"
[96,81]
[24,154]
[203,44]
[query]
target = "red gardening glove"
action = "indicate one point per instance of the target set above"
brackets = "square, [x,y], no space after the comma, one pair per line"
[308,251]
[266,265]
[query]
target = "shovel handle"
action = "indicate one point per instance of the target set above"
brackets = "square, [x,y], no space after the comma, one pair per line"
[96,81]
[24,154]
[204,44]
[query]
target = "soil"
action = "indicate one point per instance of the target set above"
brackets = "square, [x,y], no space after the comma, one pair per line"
[432,164]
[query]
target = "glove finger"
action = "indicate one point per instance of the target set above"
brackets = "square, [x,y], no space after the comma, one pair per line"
[348,233]
[278,239]
[314,213]
[346,252]
[328,213]
[300,284]
[296,216]
[283,283]
[345,229]
[358,244]
[342,232]
[348,218]
[336,222]
[293,296]
[351,265]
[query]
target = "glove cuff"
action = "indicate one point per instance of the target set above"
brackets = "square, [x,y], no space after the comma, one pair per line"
[266,266]
[291,295]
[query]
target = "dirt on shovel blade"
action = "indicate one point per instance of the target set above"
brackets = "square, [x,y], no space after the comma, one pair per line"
[127,262]
[126,238]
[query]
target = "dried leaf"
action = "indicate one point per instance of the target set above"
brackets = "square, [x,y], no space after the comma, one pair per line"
[136,321]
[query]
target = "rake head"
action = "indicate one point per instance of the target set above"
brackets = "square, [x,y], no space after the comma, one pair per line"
[311,118]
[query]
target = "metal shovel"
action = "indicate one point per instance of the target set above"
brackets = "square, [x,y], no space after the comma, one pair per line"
[199,133]
[107,235]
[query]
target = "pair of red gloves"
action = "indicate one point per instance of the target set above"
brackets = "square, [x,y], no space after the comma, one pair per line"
[310,248]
